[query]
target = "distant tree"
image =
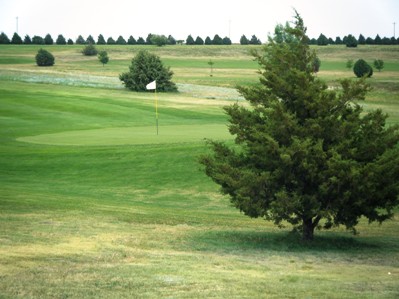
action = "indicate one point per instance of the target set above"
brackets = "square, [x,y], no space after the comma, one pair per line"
[199,41]
[217,40]
[226,41]
[89,50]
[331,41]
[70,41]
[361,40]
[171,40]
[4,38]
[37,40]
[369,41]
[131,40]
[90,40]
[103,57]
[254,40]
[148,40]
[351,41]
[377,40]
[313,41]
[190,40]
[159,40]
[349,64]
[141,41]
[244,40]
[316,63]
[361,69]
[211,63]
[110,41]
[393,41]
[44,58]
[48,40]
[80,40]
[338,41]
[121,40]
[379,64]
[386,41]
[16,39]
[322,40]
[145,68]
[304,154]
[27,40]
[208,41]
[101,40]
[60,40]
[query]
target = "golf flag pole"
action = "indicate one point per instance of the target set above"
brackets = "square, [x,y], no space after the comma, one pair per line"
[153,86]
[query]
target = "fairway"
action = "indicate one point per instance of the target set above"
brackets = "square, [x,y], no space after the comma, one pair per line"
[133,135]
[95,204]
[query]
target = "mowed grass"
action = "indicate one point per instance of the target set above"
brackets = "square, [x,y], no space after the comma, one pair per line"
[93,204]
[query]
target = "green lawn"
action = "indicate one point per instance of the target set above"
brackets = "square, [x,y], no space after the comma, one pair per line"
[94,204]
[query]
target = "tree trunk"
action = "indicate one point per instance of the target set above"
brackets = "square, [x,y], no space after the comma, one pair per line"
[308,230]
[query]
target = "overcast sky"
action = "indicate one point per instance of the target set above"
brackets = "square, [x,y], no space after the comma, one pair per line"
[180,18]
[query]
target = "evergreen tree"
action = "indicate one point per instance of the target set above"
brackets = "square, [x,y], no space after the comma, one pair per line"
[141,41]
[148,40]
[199,41]
[131,41]
[361,69]
[369,41]
[244,40]
[217,40]
[159,40]
[338,41]
[351,41]
[90,40]
[110,41]
[44,58]
[171,40]
[4,38]
[190,40]
[226,41]
[16,39]
[254,40]
[305,154]
[322,40]
[101,40]
[60,40]
[37,40]
[27,40]
[208,41]
[89,50]
[121,40]
[80,40]
[145,68]
[377,40]
[103,57]
[70,41]
[361,40]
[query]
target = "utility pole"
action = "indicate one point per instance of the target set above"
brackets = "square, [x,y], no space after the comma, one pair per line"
[17,25]
[394,25]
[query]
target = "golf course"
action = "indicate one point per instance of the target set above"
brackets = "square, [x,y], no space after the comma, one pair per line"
[94,203]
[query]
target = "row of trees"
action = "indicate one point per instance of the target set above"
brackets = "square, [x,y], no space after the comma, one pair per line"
[160,40]
[352,41]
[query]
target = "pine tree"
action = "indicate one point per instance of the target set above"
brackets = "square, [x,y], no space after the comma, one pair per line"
[305,154]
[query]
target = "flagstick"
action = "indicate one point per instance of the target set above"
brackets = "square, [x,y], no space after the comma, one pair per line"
[156,108]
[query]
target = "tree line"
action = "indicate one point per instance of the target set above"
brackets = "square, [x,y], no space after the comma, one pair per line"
[160,40]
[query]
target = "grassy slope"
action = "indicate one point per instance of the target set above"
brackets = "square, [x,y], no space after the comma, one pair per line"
[143,221]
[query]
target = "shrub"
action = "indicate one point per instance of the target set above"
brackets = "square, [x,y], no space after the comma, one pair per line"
[362,68]
[379,64]
[89,50]
[44,58]
[145,68]
[103,57]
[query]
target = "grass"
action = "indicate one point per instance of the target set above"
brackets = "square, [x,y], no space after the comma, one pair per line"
[94,205]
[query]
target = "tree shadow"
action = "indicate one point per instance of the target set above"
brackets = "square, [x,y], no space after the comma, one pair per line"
[231,241]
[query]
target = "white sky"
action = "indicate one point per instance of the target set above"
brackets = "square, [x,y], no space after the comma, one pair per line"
[204,17]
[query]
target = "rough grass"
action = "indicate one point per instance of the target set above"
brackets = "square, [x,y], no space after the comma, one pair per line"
[139,220]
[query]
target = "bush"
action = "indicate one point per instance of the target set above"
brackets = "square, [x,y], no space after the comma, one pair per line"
[145,68]
[362,68]
[89,50]
[44,58]
[379,64]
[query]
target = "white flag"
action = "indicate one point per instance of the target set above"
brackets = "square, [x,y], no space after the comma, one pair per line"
[152,85]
